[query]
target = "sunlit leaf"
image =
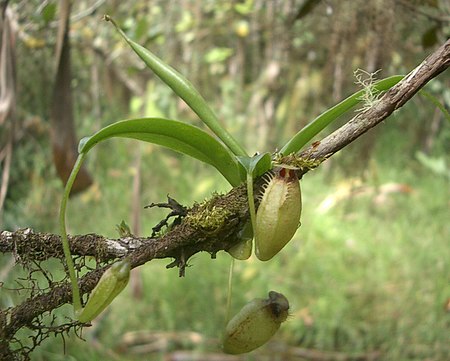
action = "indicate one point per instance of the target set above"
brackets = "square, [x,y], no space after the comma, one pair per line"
[173,134]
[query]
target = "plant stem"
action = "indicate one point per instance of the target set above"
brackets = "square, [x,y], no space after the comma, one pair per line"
[230,291]
[251,201]
[65,242]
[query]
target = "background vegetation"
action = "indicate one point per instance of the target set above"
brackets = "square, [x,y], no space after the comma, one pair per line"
[367,273]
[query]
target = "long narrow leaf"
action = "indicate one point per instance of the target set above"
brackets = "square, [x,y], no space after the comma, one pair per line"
[322,121]
[436,102]
[173,134]
[185,90]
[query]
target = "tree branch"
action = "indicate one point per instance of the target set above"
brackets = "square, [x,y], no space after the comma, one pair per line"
[392,100]
[193,234]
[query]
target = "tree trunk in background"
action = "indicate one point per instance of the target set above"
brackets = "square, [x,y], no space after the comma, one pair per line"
[7,100]
[361,30]
[64,140]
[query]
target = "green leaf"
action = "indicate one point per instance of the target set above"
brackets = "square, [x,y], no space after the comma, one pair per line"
[256,165]
[173,134]
[185,90]
[48,12]
[322,121]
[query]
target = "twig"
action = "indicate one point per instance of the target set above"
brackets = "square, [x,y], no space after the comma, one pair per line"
[392,100]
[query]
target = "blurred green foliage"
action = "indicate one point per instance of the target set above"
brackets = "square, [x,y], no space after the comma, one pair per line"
[368,273]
